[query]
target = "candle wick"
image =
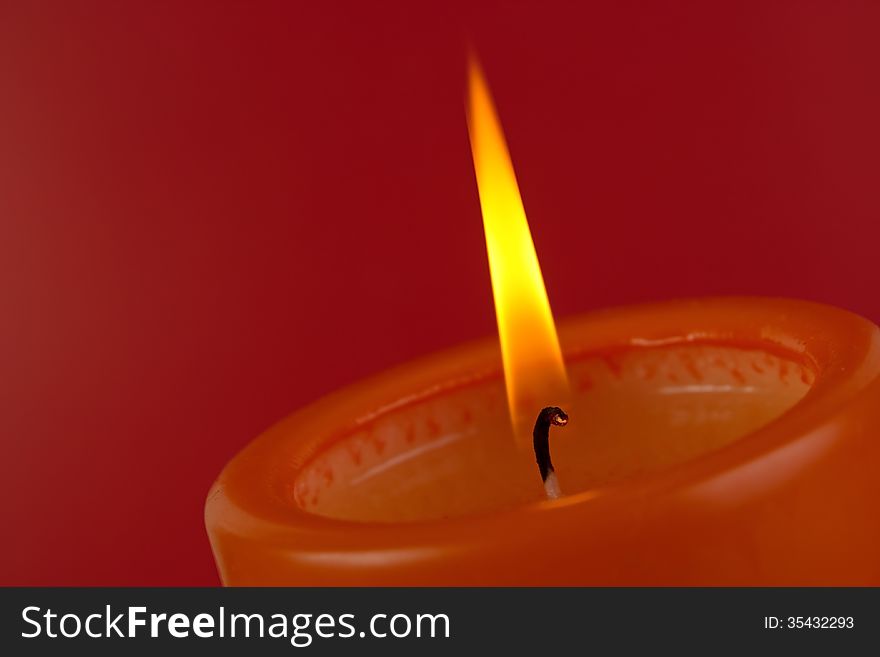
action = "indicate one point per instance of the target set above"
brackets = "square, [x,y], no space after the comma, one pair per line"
[551,415]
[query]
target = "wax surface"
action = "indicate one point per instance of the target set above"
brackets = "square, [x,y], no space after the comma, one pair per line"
[632,412]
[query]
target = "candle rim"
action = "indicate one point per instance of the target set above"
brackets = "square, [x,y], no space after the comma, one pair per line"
[843,366]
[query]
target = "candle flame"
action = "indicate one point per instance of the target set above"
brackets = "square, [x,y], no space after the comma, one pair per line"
[534,372]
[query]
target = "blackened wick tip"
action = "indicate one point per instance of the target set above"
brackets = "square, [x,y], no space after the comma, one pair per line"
[551,415]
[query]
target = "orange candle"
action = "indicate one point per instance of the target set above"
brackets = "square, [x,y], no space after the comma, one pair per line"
[718,441]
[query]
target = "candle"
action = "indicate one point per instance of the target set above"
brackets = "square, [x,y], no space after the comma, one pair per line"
[714,441]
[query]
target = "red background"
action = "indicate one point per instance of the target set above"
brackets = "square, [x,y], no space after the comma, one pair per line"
[213,213]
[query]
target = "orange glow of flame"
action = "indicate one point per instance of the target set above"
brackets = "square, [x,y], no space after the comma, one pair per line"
[534,371]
